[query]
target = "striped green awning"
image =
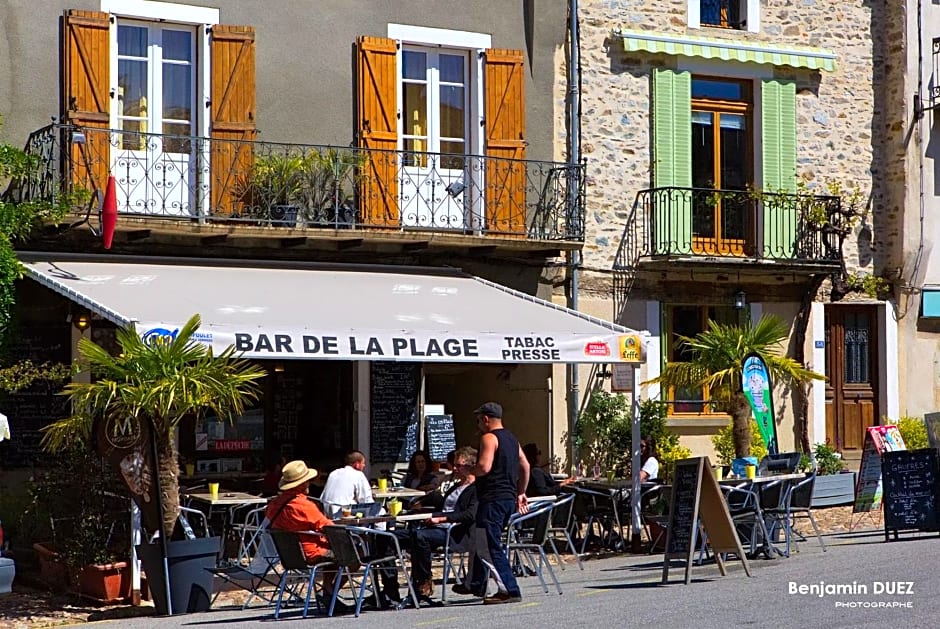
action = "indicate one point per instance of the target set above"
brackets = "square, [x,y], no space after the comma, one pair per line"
[726,50]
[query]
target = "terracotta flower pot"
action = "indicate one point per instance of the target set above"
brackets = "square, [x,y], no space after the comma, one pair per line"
[107,583]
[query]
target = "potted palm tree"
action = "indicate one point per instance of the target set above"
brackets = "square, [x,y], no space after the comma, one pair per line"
[158,383]
[717,360]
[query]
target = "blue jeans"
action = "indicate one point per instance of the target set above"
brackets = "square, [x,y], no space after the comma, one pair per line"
[424,541]
[491,519]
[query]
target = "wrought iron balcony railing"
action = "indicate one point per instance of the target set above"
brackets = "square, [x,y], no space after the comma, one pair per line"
[307,186]
[701,222]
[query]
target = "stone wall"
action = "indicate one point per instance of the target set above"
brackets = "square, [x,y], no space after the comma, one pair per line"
[836,111]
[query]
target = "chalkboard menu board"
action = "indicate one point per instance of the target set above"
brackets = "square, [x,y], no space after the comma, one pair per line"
[288,407]
[683,511]
[394,404]
[911,490]
[33,408]
[440,436]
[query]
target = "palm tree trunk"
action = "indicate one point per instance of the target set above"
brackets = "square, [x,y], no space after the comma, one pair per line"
[168,471]
[741,426]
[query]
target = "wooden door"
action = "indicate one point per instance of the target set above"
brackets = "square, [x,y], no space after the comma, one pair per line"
[851,366]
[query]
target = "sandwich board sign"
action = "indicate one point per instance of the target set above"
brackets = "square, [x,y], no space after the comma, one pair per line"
[697,502]
[869,487]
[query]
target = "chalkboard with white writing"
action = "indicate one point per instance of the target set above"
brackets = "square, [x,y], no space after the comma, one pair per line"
[911,480]
[394,403]
[40,404]
[683,511]
[440,436]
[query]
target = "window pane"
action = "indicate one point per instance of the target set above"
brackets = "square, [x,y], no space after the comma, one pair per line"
[453,112]
[416,110]
[132,41]
[177,45]
[451,67]
[703,174]
[132,88]
[857,335]
[176,139]
[453,155]
[177,91]
[722,90]
[414,65]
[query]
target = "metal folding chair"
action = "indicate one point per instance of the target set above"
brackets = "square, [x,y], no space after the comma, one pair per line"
[560,528]
[796,504]
[295,571]
[748,517]
[528,544]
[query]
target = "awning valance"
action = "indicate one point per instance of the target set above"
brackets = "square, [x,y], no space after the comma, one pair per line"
[726,50]
[339,313]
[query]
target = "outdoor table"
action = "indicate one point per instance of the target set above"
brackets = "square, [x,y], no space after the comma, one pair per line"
[414,517]
[369,521]
[227,502]
[754,485]
[397,493]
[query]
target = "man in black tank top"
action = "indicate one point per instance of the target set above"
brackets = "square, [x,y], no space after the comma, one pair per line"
[502,473]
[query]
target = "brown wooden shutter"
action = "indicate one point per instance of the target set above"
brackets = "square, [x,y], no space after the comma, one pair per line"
[377,126]
[504,85]
[86,100]
[233,114]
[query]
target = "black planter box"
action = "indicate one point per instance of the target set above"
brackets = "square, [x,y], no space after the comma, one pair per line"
[190,563]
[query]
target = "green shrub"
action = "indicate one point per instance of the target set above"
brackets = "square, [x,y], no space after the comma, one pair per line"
[723,441]
[914,431]
[828,460]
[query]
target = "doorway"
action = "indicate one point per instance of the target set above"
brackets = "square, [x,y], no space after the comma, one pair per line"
[852,361]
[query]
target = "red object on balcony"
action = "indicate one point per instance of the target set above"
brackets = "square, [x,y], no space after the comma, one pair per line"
[109,213]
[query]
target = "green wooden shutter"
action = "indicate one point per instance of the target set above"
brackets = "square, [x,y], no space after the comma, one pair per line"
[672,155]
[778,142]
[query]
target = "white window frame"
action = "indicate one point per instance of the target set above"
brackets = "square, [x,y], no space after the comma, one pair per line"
[204,18]
[750,9]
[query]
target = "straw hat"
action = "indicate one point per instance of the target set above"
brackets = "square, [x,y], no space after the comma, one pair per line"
[295,473]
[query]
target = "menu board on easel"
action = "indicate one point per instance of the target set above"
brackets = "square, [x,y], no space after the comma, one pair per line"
[394,402]
[868,487]
[288,408]
[911,491]
[697,498]
[36,406]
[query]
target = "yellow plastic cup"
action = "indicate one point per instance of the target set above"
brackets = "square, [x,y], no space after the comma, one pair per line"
[750,471]
[394,507]
[383,484]
[611,474]
[190,469]
[214,491]
[719,473]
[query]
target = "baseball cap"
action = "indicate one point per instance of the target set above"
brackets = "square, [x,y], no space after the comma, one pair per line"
[490,409]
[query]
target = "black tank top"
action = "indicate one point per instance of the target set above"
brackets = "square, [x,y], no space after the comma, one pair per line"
[502,481]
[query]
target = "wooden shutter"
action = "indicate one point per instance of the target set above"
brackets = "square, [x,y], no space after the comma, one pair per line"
[86,101]
[377,130]
[233,115]
[672,159]
[504,85]
[778,145]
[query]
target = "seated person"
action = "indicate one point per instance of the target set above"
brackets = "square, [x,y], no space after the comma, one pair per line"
[541,482]
[347,485]
[649,466]
[420,476]
[292,510]
[460,507]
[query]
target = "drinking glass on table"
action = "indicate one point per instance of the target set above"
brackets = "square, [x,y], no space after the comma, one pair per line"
[346,512]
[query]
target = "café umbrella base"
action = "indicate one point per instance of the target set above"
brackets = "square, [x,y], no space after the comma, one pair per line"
[190,563]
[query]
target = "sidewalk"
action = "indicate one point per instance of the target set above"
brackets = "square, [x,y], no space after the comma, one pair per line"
[30,608]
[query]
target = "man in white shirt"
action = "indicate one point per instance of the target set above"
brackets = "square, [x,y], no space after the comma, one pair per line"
[347,485]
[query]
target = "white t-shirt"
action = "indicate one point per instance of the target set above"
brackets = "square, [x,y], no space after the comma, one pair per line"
[651,467]
[345,486]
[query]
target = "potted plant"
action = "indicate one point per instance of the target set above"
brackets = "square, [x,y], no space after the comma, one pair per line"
[327,187]
[270,191]
[834,485]
[157,383]
[84,541]
[717,361]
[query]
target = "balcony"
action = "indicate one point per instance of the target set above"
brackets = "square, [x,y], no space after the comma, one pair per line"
[724,232]
[316,191]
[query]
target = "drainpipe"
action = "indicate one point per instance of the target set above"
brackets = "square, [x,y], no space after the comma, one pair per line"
[574,158]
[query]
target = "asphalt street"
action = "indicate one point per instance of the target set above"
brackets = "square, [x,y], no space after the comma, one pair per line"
[860,582]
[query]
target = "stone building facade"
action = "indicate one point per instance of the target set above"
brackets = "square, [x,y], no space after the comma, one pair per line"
[653,270]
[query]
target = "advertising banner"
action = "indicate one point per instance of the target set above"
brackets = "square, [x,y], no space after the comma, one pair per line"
[418,346]
[869,486]
[759,392]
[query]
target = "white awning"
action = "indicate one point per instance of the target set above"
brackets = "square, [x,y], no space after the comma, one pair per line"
[339,313]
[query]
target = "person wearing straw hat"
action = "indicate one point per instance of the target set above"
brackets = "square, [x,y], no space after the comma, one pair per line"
[292,510]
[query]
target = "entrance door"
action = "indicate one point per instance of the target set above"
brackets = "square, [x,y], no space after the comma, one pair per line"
[851,366]
[434,188]
[152,158]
